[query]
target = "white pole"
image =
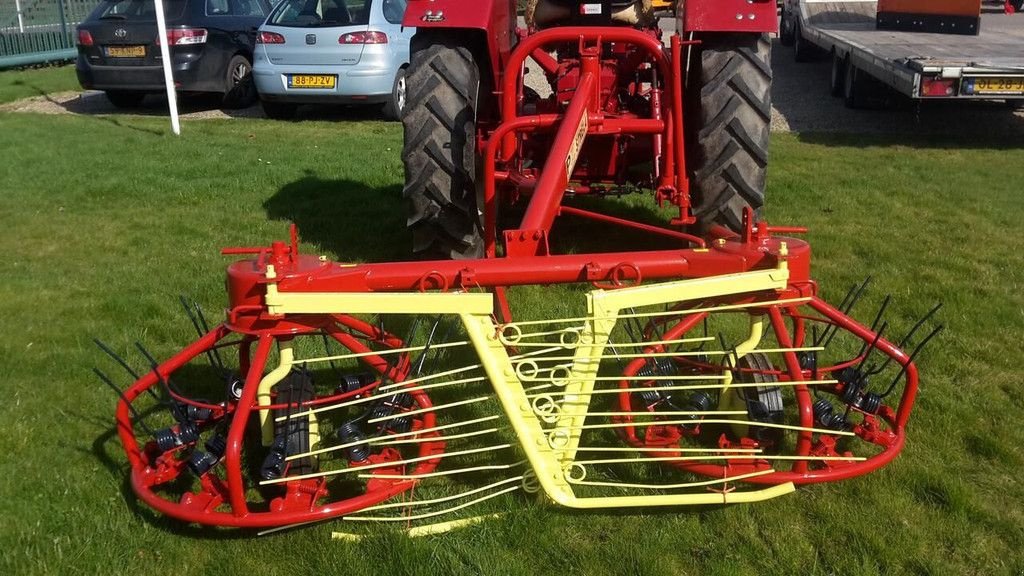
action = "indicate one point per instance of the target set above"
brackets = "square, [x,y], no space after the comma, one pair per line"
[21,23]
[165,57]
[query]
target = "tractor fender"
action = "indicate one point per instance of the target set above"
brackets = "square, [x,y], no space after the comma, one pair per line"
[727,15]
[497,21]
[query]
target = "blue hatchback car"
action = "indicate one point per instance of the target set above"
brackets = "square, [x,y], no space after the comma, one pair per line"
[332,52]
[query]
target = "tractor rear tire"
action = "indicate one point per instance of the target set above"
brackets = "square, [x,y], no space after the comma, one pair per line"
[443,88]
[728,133]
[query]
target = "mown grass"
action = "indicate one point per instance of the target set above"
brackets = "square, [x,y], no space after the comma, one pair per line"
[17,84]
[105,220]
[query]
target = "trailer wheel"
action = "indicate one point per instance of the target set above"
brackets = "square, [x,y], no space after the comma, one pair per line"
[803,51]
[727,141]
[855,87]
[442,88]
[786,36]
[835,83]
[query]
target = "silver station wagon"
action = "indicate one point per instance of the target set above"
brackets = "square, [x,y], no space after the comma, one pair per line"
[332,52]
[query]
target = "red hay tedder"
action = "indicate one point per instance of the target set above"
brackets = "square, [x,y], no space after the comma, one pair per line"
[707,371]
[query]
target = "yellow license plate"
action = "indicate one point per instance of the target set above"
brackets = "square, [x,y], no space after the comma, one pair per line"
[311,81]
[999,85]
[126,51]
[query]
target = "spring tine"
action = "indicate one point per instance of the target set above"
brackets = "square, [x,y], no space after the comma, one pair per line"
[909,335]
[730,357]
[842,305]
[206,330]
[138,417]
[117,358]
[437,357]
[125,365]
[874,324]
[327,353]
[874,342]
[426,348]
[654,326]
[188,312]
[913,355]
[857,296]
[849,309]
[628,325]
[705,323]
[199,329]
[615,352]
[390,366]
[153,364]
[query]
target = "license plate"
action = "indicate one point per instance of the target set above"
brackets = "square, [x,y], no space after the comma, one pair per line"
[126,51]
[999,86]
[311,81]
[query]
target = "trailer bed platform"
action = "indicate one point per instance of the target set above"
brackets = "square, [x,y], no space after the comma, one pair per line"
[900,59]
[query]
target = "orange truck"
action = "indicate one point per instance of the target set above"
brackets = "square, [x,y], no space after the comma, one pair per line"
[975,54]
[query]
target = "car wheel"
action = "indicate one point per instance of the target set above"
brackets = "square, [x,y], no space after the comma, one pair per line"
[786,29]
[125,99]
[278,110]
[239,88]
[394,106]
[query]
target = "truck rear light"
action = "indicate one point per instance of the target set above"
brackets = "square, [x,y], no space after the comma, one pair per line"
[937,87]
[84,38]
[369,37]
[185,36]
[269,38]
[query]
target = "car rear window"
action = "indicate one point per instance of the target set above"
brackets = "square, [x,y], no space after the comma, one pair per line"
[313,13]
[234,8]
[139,10]
[394,10]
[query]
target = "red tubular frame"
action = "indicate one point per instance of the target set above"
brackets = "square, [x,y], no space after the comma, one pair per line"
[896,418]
[146,479]
[295,273]
[530,238]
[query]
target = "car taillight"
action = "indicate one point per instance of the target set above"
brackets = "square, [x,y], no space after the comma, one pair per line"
[84,38]
[371,37]
[937,87]
[269,38]
[185,36]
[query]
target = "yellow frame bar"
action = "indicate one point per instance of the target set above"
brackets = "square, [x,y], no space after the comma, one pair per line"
[551,451]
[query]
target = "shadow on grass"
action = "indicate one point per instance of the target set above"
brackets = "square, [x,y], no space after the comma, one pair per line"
[572,234]
[69,104]
[348,219]
[356,222]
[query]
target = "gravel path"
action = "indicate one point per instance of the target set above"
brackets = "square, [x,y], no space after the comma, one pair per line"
[801,103]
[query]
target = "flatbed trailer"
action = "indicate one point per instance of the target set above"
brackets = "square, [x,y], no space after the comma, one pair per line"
[917,65]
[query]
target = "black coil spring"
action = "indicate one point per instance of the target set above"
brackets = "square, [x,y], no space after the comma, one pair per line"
[349,432]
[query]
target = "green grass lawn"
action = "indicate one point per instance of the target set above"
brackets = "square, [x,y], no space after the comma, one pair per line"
[105,220]
[17,84]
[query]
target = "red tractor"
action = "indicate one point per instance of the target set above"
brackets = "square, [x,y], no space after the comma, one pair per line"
[626,132]
[401,392]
